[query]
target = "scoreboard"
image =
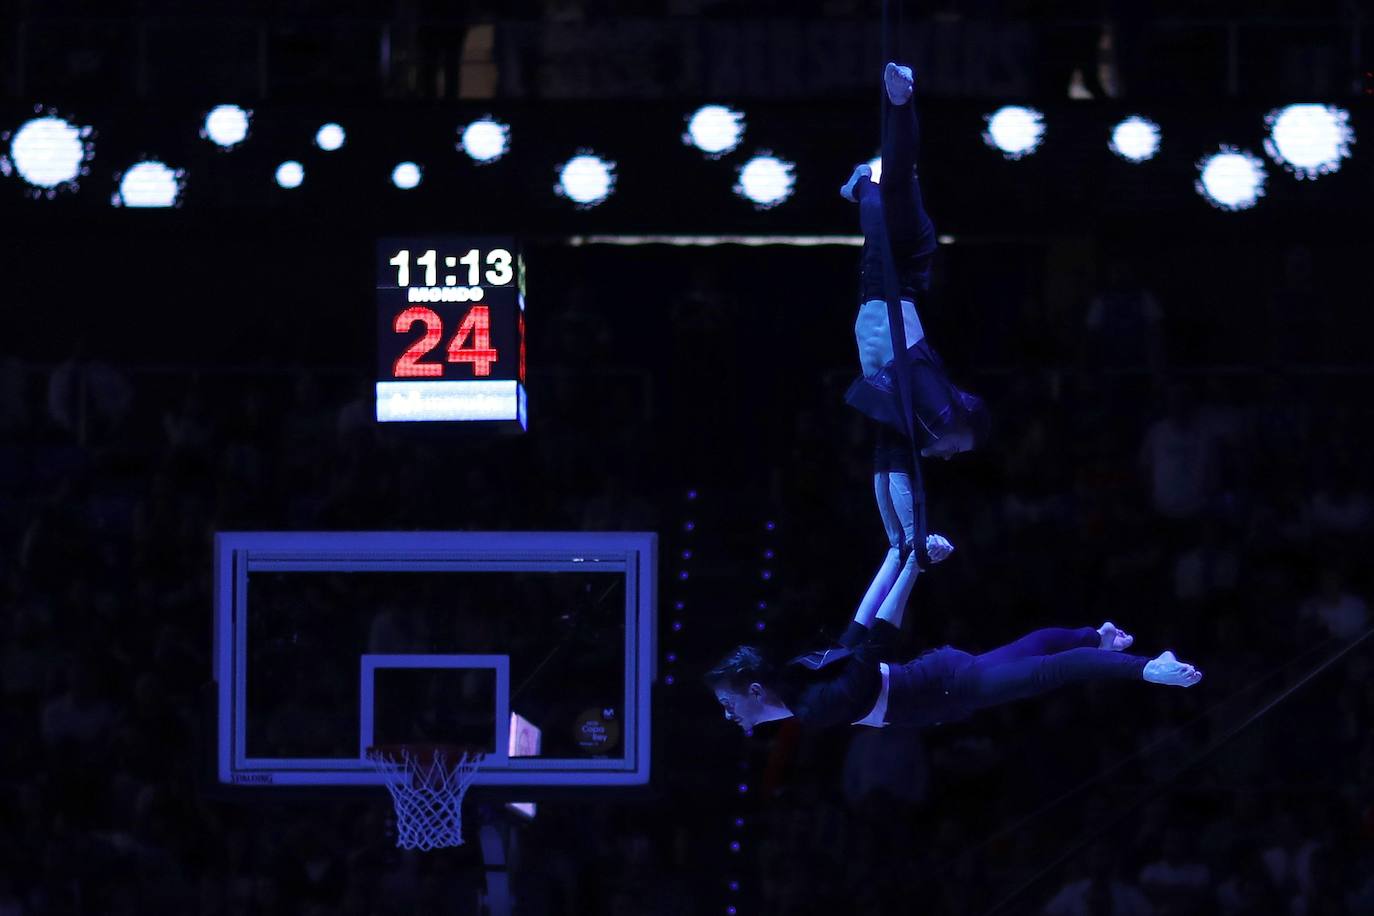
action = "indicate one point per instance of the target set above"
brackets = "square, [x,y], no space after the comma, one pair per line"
[451,330]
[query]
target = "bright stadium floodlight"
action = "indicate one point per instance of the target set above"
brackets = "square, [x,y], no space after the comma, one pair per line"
[330,137]
[1231,179]
[226,126]
[150,183]
[715,130]
[1309,140]
[1014,130]
[1135,139]
[586,179]
[484,140]
[406,176]
[49,153]
[290,174]
[766,180]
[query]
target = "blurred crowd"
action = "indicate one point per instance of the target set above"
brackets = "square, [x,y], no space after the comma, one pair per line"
[1229,523]
[1223,512]
[686,48]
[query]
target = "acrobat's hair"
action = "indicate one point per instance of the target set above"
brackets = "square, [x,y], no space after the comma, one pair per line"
[744,665]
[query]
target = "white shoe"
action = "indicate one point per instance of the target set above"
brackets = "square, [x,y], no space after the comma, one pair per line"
[899,82]
[1114,639]
[860,171]
[1171,672]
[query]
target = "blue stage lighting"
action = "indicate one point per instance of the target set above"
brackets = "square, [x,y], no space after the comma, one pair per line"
[1231,179]
[715,130]
[406,175]
[485,140]
[290,174]
[766,180]
[330,137]
[1309,140]
[1015,130]
[586,179]
[49,153]
[226,126]
[1135,139]
[876,164]
[150,184]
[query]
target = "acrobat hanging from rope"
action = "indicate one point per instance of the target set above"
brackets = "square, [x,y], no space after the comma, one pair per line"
[914,407]
[919,411]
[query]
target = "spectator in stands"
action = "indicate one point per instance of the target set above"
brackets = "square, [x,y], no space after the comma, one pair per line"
[88,398]
[1179,458]
[1124,324]
[1099,890]
[1341,613]
[82,713]
[1178,881]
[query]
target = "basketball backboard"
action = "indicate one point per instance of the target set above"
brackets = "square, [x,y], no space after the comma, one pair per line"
[538,647]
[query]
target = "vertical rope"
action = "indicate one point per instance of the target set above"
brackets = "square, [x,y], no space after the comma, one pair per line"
[891,42]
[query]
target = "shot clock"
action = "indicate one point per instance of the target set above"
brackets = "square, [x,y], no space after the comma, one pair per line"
[451,330]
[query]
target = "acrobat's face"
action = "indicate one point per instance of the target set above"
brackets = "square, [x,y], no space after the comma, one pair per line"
[744,709]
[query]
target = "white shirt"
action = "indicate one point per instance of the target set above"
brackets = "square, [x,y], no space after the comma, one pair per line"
[877,716]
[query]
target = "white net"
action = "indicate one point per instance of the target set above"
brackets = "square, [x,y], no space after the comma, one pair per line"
[428,790]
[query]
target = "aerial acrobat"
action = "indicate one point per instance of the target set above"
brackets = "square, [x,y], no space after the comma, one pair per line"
[854,683]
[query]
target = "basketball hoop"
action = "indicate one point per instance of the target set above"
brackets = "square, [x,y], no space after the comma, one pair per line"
[427,782]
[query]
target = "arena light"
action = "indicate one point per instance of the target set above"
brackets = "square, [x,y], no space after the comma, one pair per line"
[49,153]
[1015,130]
[766,180]
[150,183]
[876,164]
[1231,179]
[715,130]
[330,137]
[1135,139]
[1309,140]
[226,126]
[485,140]
[290,174]
[586,179]
[406,175]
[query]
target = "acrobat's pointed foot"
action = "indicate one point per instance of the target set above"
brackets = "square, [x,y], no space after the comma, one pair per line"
[1114,639]
[1168,670]
[849,191]
[900,83]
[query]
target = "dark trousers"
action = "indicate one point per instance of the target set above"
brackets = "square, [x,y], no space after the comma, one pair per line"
[1038,663]
[898,191]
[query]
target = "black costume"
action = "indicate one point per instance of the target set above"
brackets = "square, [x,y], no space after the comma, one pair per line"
[938,406]
[840,686]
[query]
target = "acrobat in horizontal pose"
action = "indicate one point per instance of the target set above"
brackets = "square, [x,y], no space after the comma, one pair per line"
[946,420]
[853,686]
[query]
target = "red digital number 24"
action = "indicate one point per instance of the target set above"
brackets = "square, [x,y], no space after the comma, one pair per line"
[472,343]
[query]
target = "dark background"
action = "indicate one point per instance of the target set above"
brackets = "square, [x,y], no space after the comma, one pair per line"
[167,374]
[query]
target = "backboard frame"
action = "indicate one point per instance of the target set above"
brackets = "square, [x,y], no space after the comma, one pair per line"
[631,554]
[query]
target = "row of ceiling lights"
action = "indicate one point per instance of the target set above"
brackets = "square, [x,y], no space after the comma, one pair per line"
[50,154]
